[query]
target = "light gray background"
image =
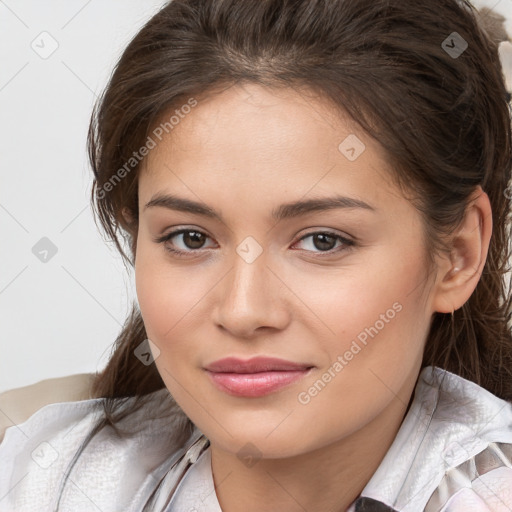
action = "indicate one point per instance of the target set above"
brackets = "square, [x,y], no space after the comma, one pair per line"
[58,317]
[61,316]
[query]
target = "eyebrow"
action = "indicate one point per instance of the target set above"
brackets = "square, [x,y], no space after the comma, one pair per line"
[284,211]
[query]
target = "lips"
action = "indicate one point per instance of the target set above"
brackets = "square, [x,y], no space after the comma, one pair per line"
[254,365]
[255,377]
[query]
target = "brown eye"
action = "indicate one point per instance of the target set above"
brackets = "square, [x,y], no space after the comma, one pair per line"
[193,239]
[325,242]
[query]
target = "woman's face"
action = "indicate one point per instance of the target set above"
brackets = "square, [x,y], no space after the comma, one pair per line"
[340,290]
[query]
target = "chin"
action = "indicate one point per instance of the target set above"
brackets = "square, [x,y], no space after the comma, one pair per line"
[259,440]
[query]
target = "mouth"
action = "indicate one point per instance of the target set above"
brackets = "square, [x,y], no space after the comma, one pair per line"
[255,377]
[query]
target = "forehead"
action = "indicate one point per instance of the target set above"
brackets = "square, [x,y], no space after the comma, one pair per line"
[270,116]
[272,140]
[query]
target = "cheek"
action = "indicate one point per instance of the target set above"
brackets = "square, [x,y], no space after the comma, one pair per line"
[165,303]
[162,297]
[378,289]
[377,320]
[171,299]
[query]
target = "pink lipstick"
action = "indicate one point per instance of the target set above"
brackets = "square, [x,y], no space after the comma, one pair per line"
[255,377]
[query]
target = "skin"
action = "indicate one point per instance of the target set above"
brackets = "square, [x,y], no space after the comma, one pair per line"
[244,152]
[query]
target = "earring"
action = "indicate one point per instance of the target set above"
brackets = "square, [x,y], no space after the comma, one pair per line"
[452,327]
[453,271]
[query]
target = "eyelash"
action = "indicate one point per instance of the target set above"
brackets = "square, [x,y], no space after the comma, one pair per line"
[347,244]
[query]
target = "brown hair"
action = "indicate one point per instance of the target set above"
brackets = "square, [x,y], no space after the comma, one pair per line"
[442,118]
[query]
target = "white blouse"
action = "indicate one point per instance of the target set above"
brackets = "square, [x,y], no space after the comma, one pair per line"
[452,453]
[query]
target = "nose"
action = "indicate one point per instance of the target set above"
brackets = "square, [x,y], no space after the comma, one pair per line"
[251,298]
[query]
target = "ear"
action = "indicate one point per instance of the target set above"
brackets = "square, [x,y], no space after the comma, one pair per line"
[127,216]
[459,272]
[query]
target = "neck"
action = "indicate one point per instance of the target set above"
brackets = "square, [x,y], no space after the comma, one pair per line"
[328,478]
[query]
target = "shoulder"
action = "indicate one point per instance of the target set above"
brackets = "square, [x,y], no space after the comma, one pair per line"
[41,433]
[476,455]
[483,483]
[18,404]
[453,451]
[61,440]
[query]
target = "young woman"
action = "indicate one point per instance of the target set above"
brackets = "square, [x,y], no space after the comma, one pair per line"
[314,196]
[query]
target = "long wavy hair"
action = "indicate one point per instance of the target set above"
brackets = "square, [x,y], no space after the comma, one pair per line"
[443,119]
